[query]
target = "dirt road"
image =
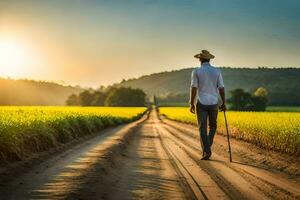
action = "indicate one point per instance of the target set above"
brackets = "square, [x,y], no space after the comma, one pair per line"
[156,158]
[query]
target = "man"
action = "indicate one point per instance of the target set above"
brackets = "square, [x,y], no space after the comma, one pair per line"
[207,82]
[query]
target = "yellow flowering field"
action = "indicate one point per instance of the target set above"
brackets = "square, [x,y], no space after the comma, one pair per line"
[271,130]
[24,130]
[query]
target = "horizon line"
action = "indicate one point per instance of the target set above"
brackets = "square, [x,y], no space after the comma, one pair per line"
[62,83]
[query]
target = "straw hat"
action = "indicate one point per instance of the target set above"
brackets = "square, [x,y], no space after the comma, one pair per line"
[205,55]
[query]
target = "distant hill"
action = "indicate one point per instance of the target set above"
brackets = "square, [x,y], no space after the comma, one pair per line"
[29,92]
[283,84]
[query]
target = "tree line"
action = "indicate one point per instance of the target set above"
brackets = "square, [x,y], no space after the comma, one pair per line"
[283,84]
[111,96]
[25,92]
[245,101]
[239,99]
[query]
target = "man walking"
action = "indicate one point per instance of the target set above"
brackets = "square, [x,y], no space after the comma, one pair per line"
[207,82]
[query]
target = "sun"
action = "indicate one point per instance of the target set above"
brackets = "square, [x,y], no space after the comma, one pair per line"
[15,57]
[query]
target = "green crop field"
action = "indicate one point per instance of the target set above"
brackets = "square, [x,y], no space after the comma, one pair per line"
[271,130]
[26,130]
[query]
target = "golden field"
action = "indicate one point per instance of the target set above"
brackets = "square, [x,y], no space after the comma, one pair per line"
[25,130]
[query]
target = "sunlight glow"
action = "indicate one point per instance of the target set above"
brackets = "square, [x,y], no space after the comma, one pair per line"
[15,57]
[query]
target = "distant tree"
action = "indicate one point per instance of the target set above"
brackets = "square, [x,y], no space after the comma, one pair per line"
[101,88]
[73,100]
[155,102]
[260,99]
[125,97]
[98,98]
[123,80]
[240,100]
[86,98]
[261,92]
[244,101]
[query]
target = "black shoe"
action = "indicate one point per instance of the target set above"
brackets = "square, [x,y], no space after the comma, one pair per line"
[206,156]
[209,155]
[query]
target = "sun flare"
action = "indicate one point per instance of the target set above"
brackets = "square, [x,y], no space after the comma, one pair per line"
[15,57]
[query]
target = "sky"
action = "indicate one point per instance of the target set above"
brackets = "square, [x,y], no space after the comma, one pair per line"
[100,42]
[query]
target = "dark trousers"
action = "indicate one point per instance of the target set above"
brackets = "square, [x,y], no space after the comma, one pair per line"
[204,113]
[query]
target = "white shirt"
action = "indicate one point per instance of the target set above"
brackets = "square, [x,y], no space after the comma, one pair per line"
[207,79]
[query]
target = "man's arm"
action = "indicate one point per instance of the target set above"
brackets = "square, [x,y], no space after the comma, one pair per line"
[193,93]
[222,94]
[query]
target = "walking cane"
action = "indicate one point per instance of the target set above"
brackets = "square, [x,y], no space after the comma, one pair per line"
[230,158]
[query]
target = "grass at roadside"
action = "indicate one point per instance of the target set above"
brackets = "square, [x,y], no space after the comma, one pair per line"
[278,131]
[27,130]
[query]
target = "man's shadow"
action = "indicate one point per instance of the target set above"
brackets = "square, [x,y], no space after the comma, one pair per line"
[239,163]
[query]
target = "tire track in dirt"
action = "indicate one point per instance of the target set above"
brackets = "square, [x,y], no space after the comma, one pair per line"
[142,171]
[202,186]
[270,184]
[231,183]
[184,183]
[207,173]
[247,153]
